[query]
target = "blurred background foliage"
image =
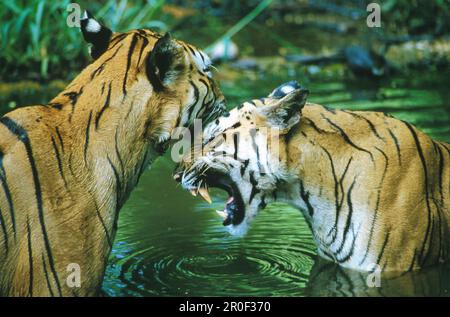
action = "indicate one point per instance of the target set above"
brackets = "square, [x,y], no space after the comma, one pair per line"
[36,40]
[37,44]
[248,39]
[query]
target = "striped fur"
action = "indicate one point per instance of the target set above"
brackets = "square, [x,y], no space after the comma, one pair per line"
[374,189]
[67,168]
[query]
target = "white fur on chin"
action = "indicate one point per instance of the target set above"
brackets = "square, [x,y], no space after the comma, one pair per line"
[240,230]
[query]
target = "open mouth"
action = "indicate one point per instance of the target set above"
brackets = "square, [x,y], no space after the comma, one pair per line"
[234,210]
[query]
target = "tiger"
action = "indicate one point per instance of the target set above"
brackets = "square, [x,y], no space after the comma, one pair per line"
[67,167]
[374,190]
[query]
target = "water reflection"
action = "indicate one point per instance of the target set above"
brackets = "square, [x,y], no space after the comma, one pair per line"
[179,247]
[329,279]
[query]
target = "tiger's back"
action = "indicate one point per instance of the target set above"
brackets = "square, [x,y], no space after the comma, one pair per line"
[396,178]
[42,226]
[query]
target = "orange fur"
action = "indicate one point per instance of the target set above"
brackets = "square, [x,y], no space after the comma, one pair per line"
[69,166]
[374,189]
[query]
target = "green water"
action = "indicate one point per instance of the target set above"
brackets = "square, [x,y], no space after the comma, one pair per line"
[170,243]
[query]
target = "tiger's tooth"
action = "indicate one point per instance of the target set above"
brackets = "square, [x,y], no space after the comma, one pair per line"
[193,192]
[204,193]
[222,214]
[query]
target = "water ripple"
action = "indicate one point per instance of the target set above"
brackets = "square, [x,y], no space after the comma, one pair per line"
[213,263]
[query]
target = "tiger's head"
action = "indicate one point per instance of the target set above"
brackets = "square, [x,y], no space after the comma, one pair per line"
[153,78]
[244,154]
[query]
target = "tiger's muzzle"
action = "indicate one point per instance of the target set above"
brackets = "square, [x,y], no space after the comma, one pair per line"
[200,183]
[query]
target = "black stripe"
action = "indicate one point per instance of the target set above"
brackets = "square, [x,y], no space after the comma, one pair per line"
[119,157]
[203,59]
[336,192]
[102,222]
[397,145]
[118,193]
[441,174]
[30,259]
[102,66]
[441,191]
[22,135]
[193,104]
[263,203]
[331,110]
[46,276]
[5,233]
[191,49]
[73,96]
[58,133]
[58,160]
[313,125]
[203,82]
[234,126]
[352,248]
[347,139]
[371,125]
[143,46]
[142,33]
[377,206]
[130,52]
[244,166]
[4,181]
[236,145]
[116,40]
[56,106]
[413,260]
[349,217]
[256,149]
[118,184]
[105,105]
[341,202]
[86,142]
[425,171]
[305,196]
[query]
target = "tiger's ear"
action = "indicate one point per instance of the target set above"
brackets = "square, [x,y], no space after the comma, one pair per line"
[284,89]
[285,113]
[95,33]
[166,63]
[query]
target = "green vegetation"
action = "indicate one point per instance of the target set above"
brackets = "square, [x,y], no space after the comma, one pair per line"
[416,17]
[37,44]
[36,40]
